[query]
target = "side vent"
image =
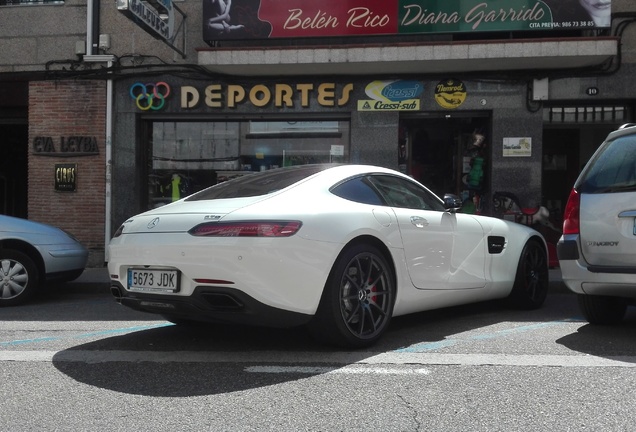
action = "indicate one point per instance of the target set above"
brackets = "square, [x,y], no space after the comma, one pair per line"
[496,244]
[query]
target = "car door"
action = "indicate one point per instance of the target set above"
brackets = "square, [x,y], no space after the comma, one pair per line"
[443,250]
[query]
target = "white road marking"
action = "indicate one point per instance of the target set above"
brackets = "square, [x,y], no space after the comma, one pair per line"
[269,358]
[356,369]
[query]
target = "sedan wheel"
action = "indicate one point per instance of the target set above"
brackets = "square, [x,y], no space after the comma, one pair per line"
[532,279]
[357,302]
[18,277]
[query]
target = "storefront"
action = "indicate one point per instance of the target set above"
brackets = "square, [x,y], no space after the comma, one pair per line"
[175,136]
[441,92]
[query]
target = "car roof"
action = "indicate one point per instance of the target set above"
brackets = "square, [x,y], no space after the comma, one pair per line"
[626,129]
[10,224]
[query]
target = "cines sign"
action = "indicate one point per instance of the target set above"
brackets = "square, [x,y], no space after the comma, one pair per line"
[260,95]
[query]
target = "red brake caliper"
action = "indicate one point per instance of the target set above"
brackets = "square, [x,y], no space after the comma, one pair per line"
[373,289]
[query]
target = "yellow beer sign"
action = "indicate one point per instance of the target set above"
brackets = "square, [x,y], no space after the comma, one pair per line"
[450,93]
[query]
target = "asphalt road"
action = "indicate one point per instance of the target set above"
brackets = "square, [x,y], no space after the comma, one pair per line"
[74,360]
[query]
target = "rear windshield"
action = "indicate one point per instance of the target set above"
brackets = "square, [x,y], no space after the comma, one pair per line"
[256,184]
[613,169]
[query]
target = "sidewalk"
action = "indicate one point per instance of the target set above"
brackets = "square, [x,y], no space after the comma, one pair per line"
[92,279]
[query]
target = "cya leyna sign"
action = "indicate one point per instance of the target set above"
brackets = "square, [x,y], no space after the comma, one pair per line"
[263,19]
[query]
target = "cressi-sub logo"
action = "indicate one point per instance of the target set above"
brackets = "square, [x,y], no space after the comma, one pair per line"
[392,96]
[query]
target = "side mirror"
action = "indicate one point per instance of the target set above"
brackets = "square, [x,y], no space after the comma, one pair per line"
[452,203]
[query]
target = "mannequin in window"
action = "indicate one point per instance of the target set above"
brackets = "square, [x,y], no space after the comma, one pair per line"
[178,187]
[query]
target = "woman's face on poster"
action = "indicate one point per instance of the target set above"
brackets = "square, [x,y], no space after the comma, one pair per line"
[597,7]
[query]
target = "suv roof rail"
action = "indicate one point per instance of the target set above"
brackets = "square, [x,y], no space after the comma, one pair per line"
[627,125]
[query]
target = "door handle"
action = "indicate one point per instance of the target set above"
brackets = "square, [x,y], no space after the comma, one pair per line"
[419,221]
[628,213]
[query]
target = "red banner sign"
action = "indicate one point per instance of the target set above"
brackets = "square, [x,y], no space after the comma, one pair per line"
[264,19]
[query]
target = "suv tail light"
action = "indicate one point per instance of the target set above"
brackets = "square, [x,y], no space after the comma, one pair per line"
[247,229]
[571,222]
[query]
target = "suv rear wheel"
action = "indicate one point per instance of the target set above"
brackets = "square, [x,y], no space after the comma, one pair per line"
[602,309]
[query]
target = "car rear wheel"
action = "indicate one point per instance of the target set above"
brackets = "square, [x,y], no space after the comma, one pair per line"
[602,309]
[532,278]
[18,277]
[357,301]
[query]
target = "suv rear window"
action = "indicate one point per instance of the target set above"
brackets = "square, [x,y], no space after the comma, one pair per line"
[613,168]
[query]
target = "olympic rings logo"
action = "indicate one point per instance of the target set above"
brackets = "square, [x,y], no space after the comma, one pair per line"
[150,96]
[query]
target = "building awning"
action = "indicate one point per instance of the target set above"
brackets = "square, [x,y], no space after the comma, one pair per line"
[523,55]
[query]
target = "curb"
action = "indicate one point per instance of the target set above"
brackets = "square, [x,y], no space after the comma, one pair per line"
[93,279]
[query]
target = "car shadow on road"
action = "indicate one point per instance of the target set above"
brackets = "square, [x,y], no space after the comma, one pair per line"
[214,372]
[68,302]
[605,341]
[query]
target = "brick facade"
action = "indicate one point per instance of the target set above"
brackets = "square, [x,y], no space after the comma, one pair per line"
[59,111]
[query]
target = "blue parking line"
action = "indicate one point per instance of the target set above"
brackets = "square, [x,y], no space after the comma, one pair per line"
[85,335]
[27,341]
[432,346]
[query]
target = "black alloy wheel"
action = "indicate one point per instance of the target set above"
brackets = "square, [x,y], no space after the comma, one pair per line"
[532,279]
[358,299]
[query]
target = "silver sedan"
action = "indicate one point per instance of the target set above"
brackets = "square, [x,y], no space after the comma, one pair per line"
[33,254]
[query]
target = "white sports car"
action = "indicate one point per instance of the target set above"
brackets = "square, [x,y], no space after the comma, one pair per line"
[341,249]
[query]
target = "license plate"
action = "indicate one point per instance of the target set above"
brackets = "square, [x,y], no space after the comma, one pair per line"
[153,280]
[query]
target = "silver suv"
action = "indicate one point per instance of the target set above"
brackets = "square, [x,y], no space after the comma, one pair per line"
[597,251]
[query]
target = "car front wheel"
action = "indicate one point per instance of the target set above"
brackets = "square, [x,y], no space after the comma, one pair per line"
[602,309]
[18,277]
[357,301]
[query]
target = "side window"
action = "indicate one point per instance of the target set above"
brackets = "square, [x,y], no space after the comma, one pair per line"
[399,192]
[358,190]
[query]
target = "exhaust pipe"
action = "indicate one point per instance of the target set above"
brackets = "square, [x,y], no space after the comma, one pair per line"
[116,292]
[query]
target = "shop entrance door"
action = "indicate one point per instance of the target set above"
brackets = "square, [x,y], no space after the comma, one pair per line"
[560,168]
[447,154]
[13,170]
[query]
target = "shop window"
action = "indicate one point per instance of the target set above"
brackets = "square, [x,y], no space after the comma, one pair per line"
[186,157]
[585,114]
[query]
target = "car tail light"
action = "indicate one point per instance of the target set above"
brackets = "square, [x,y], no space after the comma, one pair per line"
[119,231]
[247,229]
[571,222]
